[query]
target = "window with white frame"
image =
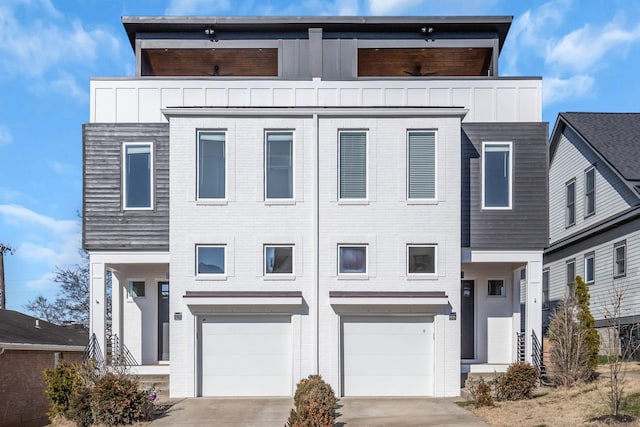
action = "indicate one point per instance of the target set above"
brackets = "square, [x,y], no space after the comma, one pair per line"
[352,165]
[620,259]
[136,289]
[352,259]
[138,175]
[589,192]
[421,165]
[278,259]
[278,180]
[570,205]
[545,288]
[496,288]
[589,268]
[210,259]
[496,175]
[211,165]
[570,268]
[421,259]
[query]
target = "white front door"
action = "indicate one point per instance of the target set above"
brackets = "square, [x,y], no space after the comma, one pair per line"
[245,356]
[387,356]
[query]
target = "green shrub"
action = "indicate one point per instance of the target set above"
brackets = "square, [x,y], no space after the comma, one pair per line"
[481,393]
[518,382]
[61,384]
[314,404]
[80,407]
[116,400]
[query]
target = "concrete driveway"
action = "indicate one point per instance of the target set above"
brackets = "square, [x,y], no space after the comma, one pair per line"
[351,412]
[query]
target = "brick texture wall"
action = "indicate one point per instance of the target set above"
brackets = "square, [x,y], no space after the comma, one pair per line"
[22,398]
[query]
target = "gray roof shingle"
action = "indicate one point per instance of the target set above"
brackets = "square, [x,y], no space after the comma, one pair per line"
[616,136]
[18,328]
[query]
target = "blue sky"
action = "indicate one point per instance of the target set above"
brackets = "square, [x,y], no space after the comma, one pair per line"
[587,51]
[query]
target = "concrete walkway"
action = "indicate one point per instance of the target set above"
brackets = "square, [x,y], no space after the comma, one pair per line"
[351,412]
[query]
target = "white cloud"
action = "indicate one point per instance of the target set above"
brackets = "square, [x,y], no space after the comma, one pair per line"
[8,195]
[66,85]
[196,7]
[390,7]
[42,283]
[26,218]
[556,89]
[61,168]
[5,135]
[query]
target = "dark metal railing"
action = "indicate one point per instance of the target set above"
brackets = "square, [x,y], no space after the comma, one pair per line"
[521,346]
[536,354]
[119,354]
[93,352]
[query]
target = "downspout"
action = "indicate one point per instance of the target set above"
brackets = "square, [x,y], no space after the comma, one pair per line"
[316,243]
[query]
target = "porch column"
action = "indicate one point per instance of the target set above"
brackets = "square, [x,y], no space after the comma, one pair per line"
[116,307]
[98,299]
[533,312]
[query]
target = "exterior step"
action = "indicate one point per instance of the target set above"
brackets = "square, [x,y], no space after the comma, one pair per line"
[159,382]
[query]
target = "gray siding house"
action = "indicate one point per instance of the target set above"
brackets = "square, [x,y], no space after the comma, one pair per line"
[594,211]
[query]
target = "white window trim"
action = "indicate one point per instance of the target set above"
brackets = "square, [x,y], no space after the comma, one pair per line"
[124,176]
[435,259]
[279,276]
[617,245]
[212,200]
[586,204]
[416,200]
[504,286]
[212,276]
[545,301]
[366,262]
[353,201]
[511,168]
[566,272]
[288,200]
[567,224]
[588,256]
[130,296]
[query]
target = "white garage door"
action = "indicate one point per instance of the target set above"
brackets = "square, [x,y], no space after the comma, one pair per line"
[246,356]
[388,356]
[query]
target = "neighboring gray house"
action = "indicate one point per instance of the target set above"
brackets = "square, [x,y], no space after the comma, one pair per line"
[594,211]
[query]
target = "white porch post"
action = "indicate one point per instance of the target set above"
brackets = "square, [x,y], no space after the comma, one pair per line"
[515,322]
[98,300]
[533,320]
[116,307]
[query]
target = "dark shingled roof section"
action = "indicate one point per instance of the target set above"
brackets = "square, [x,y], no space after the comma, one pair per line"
[615,135]
[18,328]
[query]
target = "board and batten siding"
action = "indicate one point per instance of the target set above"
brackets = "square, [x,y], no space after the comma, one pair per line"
[106,225]
[570,160]
[525,226]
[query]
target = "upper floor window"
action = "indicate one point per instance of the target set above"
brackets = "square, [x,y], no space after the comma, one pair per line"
[278,259]
[545,288]
[278,165]
[589,192]
[211,165]
[352,259]
[496,175]
[210,259]
[570,206]
[496,288]
[589,268]
[421,165]
[138,175]
[571,273]
[620,259]
[352,165]
[421,259]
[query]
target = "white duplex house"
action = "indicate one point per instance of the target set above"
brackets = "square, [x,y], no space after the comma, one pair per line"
[358,197]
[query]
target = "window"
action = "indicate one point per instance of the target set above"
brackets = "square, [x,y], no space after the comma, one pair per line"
[570,191]
[589,265]
[210,259]
[136,289]
[497,288]
[137,176]
[545,288]
[278,259]
[352,165]
[211,165]
[352,259]
[421,165]
[496,175]
[279,165]
[620,259]
[589,192]
[571,273]
[421,259]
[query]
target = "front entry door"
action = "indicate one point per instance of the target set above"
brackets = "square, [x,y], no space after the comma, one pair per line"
[163,321]
[468,320]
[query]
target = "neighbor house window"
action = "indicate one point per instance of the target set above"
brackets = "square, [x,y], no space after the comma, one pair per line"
[211,165]
[570,209]
[496,175]
[589,192]
[352,165]
[352,259]
[278,259]
[571,273]
[136,288]
[421,259]
[278,165]
[421,165]
[497,288]
[620,259]
[138,175]
[545,288]
[210,259]
[589,268]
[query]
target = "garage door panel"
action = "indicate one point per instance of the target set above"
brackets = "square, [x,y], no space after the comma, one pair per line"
[243,386]
[393,386]
[387,365]
[230,344]
[412,345]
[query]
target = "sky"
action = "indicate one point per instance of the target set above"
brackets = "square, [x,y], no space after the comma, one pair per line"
[587,51]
